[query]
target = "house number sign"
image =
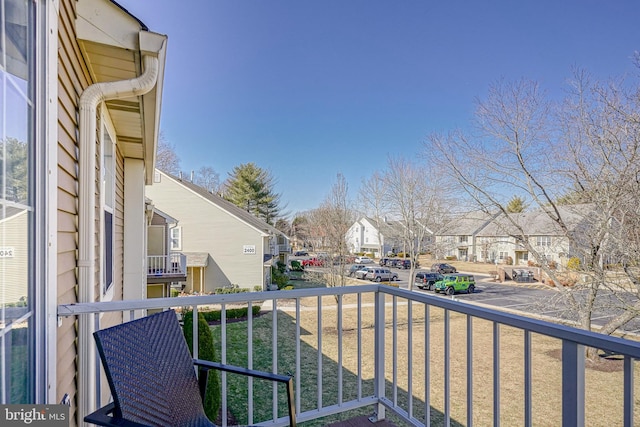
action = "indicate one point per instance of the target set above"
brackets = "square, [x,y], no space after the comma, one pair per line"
[249,249]
[6,252]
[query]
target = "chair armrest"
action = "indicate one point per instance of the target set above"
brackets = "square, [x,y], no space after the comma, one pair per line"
[104,417]
[285,379]
[242,371]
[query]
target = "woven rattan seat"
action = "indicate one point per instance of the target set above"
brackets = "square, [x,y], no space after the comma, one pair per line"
[152,378]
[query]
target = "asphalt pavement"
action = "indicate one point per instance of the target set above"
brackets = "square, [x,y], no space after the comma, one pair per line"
[534,299]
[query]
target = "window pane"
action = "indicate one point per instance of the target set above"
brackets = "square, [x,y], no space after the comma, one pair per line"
[17,242]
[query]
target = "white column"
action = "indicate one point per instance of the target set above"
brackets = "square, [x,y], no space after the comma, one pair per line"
[135,231]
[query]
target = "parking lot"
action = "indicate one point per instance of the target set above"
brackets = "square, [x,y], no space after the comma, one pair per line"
[529,299]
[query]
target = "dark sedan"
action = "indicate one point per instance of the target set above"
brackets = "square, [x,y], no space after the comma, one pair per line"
[443,268]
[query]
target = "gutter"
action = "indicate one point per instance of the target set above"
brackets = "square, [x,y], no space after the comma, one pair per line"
[90,99]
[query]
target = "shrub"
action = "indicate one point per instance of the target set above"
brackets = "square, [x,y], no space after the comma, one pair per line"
[279,278]
[509,260]
[232,313]
[281,266]
[231,289]
[573,263]
[206,351]
[257,288]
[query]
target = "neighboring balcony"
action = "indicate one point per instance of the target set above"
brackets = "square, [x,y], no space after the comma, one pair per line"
[284,249]
[412,357]
[167,268]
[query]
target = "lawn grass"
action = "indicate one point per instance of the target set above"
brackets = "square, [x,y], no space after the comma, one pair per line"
[603,389]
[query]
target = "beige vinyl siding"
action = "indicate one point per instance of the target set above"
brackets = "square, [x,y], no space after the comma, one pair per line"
[72,78]
[208,228]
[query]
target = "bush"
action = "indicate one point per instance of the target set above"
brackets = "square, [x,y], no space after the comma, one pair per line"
[206,351]
[279,278]
[231,289]
[232,313]
[573,263]
[509,260]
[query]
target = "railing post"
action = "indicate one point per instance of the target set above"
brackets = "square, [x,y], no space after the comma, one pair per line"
[379,353]
[572,384]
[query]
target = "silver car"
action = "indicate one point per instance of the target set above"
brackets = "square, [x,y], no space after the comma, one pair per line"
[380,274]
[360,274]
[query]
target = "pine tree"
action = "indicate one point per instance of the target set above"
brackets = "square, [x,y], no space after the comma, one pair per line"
[251,188]
[516,205]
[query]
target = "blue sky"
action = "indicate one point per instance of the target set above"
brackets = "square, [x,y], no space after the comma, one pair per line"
[310,89]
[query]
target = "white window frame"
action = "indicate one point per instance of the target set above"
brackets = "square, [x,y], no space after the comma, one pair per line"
[175,238]
[543,241]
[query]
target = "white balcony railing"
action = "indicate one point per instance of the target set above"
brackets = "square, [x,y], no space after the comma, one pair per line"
[173,264]
[422,358]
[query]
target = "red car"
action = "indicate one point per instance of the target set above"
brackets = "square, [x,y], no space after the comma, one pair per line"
[312,262]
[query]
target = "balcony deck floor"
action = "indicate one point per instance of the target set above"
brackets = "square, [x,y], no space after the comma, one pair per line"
[362,421]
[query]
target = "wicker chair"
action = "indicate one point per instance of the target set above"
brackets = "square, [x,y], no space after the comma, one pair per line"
[152,377]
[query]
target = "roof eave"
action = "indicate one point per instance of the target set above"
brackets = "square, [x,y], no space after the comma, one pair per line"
[104,30]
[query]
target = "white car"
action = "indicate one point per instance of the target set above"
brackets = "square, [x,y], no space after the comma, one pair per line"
[363,260]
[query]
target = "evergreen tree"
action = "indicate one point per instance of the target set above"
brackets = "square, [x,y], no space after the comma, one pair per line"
[516,205]
[251,188]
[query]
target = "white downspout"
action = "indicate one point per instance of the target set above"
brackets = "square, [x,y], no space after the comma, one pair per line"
[90,99]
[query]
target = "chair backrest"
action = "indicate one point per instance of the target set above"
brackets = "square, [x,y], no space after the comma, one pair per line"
[150,372]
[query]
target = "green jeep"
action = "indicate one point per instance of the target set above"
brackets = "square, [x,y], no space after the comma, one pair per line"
[452,283]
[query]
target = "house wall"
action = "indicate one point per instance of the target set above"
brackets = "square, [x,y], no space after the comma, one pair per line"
[72,79]
[208,228]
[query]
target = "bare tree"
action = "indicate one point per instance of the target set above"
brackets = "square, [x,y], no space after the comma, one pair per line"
[167,159]
[586,147]
[333,218]
[373,202]
[415,201]
[207,178]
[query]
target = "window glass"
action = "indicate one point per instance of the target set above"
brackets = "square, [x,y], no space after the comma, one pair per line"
[176,239]
[17,241]
[108,179]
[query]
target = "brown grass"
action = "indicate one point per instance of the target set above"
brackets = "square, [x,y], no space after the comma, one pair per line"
[603,388]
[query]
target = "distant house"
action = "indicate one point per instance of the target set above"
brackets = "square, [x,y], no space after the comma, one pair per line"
[14,255]
[380,238]
[367,235]
[457,238]
[224,244]
[166,265]
[512,236]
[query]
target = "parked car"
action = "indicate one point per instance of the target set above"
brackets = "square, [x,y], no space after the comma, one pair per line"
[443,268]
[393,262]
[383,261]
[452,283]
[355,267]
[363,260]
[380,274]
[301,253]
[404,264]
[313,262]
[360,274]
[427,279]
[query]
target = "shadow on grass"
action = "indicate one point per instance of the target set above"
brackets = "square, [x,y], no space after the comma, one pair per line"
[312,396]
